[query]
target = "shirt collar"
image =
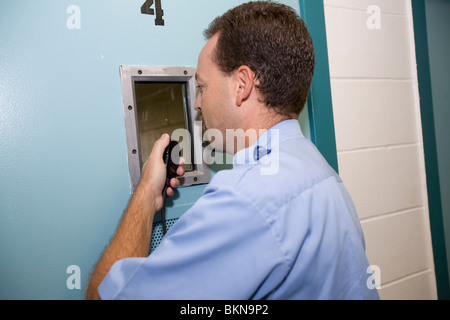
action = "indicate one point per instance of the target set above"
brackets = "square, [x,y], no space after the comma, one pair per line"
[268,142]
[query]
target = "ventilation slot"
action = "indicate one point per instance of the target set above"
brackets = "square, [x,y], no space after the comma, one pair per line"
[157,232]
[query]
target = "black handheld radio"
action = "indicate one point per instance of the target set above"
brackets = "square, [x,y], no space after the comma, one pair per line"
[171,169]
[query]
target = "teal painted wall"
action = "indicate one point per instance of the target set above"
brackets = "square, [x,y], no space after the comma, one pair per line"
[63,159]
[438,26]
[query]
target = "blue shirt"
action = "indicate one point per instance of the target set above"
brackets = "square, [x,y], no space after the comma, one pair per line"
[279,225]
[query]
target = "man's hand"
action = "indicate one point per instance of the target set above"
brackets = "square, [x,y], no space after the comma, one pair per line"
[154,173]
[133,235]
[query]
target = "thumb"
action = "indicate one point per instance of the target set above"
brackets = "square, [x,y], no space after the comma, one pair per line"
[160,145]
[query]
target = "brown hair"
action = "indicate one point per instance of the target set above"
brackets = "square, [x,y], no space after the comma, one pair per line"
[273,41]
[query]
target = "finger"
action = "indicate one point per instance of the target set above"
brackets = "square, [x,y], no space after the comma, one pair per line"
[174,183]
[169,192]
[180,171]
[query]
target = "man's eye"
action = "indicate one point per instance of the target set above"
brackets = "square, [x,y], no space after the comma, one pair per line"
[199,89]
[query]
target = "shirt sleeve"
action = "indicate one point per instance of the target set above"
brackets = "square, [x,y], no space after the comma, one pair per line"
[219,249]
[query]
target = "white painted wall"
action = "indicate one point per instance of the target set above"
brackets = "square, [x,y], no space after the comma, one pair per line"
[379,139]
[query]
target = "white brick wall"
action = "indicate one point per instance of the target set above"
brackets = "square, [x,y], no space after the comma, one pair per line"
[379,140]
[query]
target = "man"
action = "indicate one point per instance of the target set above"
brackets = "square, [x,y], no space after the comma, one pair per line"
[290,233]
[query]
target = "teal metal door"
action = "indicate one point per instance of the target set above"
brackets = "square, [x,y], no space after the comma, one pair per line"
[63,161]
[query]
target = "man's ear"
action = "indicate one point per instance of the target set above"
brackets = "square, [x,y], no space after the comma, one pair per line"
[245,82]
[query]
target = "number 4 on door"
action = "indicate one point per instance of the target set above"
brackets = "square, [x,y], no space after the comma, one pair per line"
[146,8]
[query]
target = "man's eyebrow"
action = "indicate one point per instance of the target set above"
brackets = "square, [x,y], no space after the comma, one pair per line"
[197,77]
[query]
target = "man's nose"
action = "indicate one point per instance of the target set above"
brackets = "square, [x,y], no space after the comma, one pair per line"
[198,103]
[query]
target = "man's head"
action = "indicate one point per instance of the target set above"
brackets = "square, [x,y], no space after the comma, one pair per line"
[254,71]
[275,44]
